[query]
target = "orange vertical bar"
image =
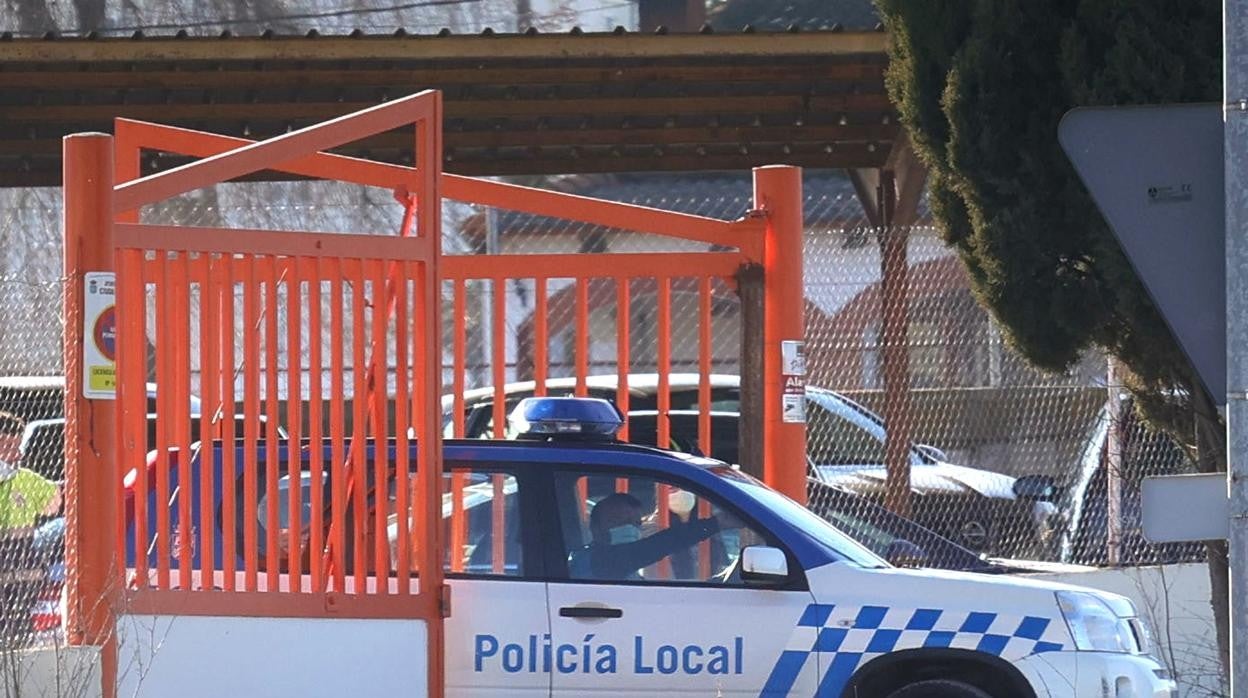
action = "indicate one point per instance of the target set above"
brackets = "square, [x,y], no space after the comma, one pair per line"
[704,365]
[132,434]
[704,548]
[316,452]
[251,421]
[664,566]
[623,332]
[664,331]
[209,383]
[459,340]
[164,431]
[402,420]
[541,339]
[778,192]
[499,518]
[582,496]
[94,580]
[432,589]
[337,427]
[704,407]
[272,453]
[379,391]
[224,279]
[582,336]
[178,329]
[294,420]
[498,353]
[359,425]
[132,402]
[459,523]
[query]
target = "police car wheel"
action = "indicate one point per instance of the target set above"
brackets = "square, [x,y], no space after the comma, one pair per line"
[939,689]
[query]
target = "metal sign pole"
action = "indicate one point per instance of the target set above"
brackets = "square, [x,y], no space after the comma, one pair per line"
[1235,152]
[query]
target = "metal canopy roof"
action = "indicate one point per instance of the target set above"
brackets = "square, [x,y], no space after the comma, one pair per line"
[515,104]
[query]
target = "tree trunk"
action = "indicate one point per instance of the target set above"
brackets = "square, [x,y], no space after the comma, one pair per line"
[1219,599]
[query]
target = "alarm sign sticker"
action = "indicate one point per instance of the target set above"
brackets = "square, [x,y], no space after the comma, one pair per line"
[99,336]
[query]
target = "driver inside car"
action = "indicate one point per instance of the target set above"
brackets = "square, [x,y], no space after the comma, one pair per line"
[617,551]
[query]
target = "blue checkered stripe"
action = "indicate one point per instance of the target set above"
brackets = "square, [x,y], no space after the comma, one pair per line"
[847,637]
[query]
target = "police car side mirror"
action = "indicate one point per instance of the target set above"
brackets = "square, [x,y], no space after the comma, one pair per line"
[764,566]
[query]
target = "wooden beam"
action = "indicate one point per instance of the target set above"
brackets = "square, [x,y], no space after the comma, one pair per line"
[411,74]
[431,47]
[462,108]
[910,176]
[46,171]
[866,183]
[841,136]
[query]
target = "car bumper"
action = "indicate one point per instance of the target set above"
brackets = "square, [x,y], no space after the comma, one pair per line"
[1096,675]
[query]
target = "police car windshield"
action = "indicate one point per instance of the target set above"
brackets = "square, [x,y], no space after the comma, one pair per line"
[842,546]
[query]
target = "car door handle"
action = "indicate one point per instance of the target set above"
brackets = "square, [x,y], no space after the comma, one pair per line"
[590,612]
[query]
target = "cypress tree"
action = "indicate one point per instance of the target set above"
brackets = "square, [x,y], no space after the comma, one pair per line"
[981,86]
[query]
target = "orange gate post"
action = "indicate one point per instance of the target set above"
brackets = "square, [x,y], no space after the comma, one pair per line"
[778,193]
[94,572]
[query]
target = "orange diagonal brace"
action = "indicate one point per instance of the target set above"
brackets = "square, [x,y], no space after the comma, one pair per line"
[746,234]
[137,135]
[642,219]
[265,154]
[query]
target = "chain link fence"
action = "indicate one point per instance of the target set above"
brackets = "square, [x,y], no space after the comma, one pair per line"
[1003,460]
[31,460]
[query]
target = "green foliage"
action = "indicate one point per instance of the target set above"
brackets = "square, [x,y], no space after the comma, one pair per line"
[981,86]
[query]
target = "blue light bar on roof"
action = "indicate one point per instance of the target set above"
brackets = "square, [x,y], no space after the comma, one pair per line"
[565,417]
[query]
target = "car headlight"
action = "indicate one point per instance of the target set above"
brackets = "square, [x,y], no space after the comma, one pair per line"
[1094,625]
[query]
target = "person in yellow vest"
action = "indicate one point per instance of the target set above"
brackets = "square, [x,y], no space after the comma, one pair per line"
[25,497]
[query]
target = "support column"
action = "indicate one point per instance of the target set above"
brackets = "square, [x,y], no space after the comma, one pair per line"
[778,192]
[895,340]
[890,200]
[750,454]
[94,571]
[1235,153]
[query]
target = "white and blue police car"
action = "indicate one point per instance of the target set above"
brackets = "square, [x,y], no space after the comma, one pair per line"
[630,570]
[582,566]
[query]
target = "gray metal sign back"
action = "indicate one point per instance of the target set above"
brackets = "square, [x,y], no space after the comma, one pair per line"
[1183,508]
[1156,173]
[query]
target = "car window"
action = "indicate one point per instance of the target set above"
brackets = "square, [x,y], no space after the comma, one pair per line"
[843,547]
[644,529]
[831,439]
[482,523]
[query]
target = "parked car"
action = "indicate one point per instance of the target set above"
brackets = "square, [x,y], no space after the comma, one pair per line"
[43,397]
[1083,500]
[984,511]
[43,451]
[899,540]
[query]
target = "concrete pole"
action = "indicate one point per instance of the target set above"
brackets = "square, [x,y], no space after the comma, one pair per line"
[1235,149]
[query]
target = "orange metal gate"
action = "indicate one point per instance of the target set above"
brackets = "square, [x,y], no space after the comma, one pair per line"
[258,313]
[771,236]
[242,304]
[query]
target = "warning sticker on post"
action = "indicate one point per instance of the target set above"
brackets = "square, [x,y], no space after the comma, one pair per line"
[793,357]
[793,372]
[99,336]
